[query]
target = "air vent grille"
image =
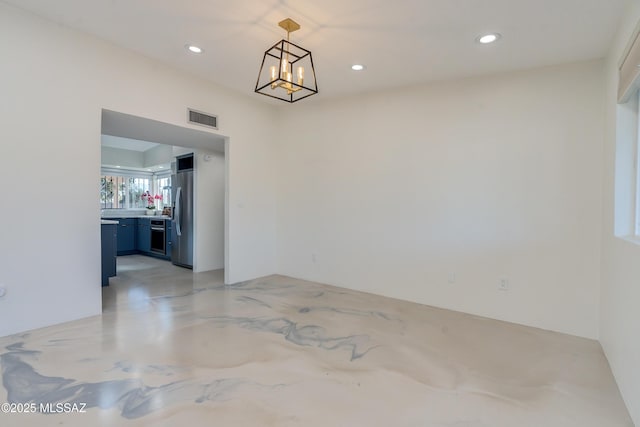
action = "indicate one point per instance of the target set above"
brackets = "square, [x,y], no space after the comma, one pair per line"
[203,119]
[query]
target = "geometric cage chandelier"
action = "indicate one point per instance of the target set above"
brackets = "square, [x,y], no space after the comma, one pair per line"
[287,71]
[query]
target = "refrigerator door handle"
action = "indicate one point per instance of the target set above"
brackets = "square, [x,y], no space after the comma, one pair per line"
[178,211]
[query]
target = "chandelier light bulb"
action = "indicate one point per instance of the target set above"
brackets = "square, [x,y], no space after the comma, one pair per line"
[274,76]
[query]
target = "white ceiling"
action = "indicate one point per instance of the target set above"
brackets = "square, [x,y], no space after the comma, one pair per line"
[126,143]
[401,42]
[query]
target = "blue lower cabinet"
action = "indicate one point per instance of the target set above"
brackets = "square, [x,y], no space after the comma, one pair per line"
[167,237]
[144,235]
[134,237]
[126,236]
[109,243]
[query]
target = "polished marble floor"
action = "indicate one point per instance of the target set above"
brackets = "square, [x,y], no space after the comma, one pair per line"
[176,348]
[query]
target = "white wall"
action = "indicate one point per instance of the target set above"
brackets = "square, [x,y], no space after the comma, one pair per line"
[119,157]
[158,155]
[620,295]
[486,178]
[64,78]
[209,211]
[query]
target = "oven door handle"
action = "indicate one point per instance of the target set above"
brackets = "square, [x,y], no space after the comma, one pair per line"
[157,228]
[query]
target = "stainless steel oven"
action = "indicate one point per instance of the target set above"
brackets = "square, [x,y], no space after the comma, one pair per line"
[157,236]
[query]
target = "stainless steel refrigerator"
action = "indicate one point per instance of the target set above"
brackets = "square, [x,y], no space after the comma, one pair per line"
[182,218]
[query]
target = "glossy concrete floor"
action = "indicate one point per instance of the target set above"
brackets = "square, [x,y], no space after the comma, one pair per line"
[180,349]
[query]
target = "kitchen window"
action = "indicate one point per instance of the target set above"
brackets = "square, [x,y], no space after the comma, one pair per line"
[123,189]
[163,184]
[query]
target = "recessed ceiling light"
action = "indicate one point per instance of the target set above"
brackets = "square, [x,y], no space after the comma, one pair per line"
[117,166]
[160,167]
[488,38]
[357,67]
[194,49]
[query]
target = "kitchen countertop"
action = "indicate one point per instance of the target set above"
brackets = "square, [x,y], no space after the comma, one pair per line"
[109,221]
[107,218]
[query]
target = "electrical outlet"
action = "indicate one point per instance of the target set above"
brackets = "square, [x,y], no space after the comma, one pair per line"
[504,285]
[452,278]
[314,258]
[3,291]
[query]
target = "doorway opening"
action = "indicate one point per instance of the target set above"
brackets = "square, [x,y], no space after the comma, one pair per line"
[138,165]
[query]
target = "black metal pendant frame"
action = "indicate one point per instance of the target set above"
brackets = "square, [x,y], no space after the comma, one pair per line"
[282,50]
